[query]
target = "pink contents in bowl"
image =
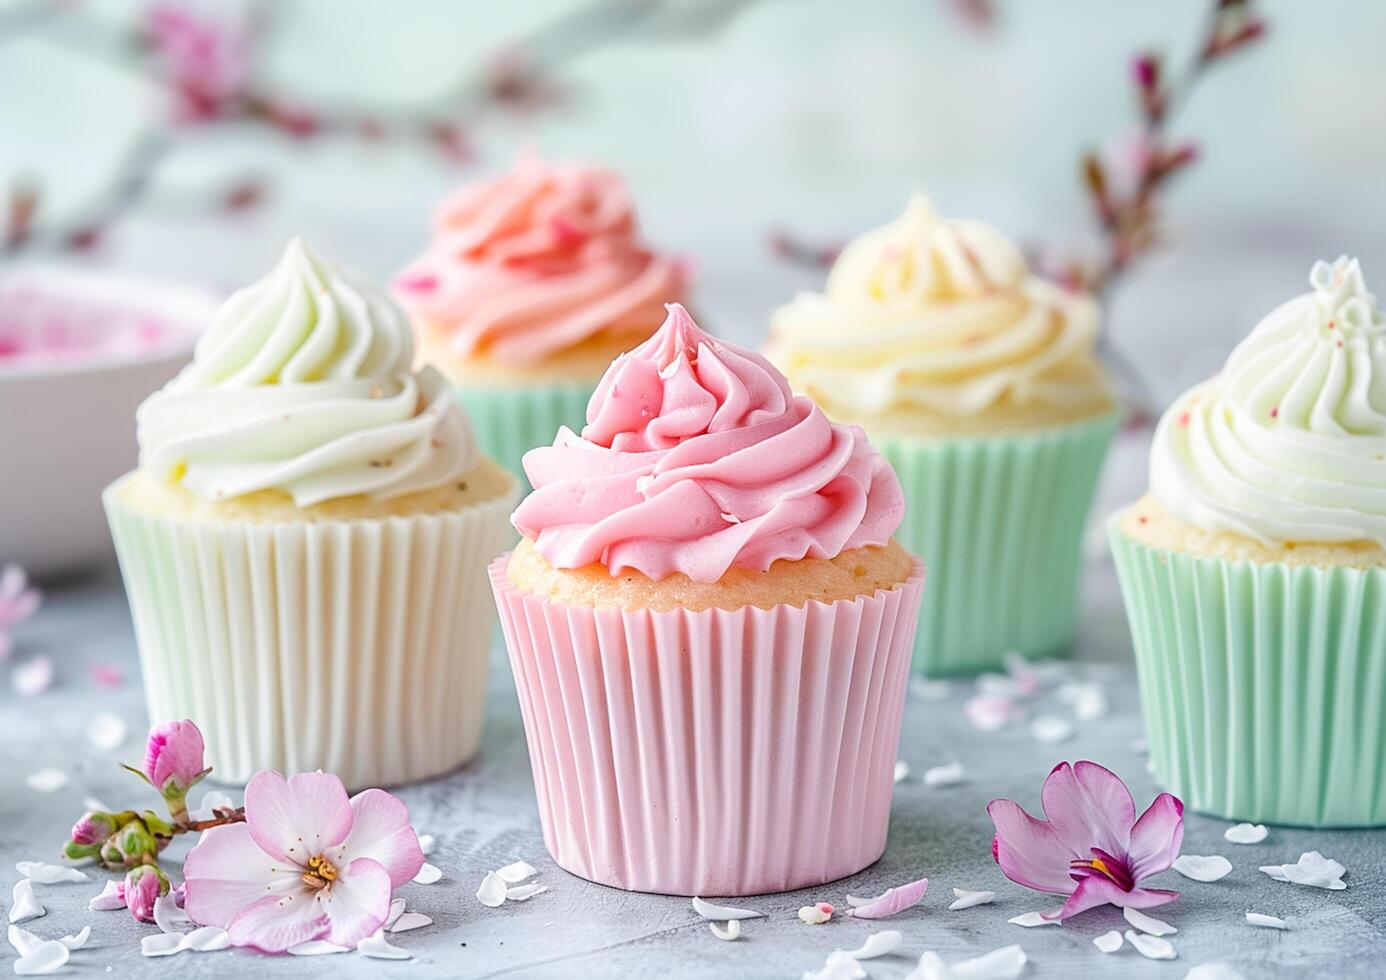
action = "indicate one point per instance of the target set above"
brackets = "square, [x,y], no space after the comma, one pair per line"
[42,327]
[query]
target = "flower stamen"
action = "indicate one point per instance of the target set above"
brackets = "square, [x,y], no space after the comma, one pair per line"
[321,872]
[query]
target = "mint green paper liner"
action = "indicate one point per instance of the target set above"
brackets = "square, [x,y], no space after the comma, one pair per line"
[999,522]
[1263,685]
[511,421]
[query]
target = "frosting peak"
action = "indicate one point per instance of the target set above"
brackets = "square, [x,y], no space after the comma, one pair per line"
[1288,442]
[929,320]
[697,457]
[538,261]
[303,384]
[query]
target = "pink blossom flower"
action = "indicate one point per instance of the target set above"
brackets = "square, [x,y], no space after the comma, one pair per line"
[143,885]
[18,601]
[205,60]
[1090,847]
[306,864]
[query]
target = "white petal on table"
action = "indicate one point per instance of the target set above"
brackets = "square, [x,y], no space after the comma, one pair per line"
[1213,971]
[396,910]
[947,775]
[24,941]
[877,944]
[108,900]
[723,913]
[78,940]
[49,874]
[839,966]
[1148,923]
[162,944]
[32,677]
[1265,921]
[48,957]
[1312,869]
[492,891]
[1151,947]
[428,874]
[523,893]
[378,947]
[47,780]
[207,939]
[513,874]
[426,843]
[964,899]
[317,947]
[1031,920]
[1203,867]
[1051,730]
[169,917]
[902,770]
[728,932]
[408,921]
[1246,833]
[106,731]
[24,905]
[1108,942]
[1005,963]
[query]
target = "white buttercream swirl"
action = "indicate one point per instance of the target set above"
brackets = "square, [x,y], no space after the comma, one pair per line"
[304,384]
[1288,442]
[941,317]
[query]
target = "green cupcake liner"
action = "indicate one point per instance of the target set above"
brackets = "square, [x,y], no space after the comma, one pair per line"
[511,421]
[1263,685]
[999,521]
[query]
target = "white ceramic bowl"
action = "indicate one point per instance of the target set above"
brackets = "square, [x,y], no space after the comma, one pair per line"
[67,422]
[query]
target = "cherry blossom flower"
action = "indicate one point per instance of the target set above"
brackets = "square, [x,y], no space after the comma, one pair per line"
[1090,847]
[18,601]
[307,864]
[206,61]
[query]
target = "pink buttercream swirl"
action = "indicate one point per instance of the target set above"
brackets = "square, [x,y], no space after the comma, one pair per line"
[537,261]
[697,457]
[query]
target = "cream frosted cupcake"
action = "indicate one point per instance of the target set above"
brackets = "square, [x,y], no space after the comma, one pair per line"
[304,543]
[1254,572]
[980,383]
[533,282]
[710,628]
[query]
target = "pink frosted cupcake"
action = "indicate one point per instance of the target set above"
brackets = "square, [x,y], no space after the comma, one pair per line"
[533,282]
[710,628]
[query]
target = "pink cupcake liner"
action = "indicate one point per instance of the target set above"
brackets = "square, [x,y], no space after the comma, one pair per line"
[714,752]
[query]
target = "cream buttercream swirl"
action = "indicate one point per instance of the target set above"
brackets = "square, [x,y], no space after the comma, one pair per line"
[303,383]
[697,457]
[1288,442]
[941,317]
[536,262]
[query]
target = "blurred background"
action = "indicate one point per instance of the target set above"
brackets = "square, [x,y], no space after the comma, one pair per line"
[189,140]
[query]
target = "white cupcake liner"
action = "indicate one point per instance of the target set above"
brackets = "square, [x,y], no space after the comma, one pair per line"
[354,646]
[714,752]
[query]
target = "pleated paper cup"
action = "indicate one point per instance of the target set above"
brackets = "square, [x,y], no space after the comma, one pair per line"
[999,522]
[509,422]
[713,752]
[1263,685]
[354,646]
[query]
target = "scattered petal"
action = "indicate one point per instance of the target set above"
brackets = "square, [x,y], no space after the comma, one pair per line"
[492,891]
[378,947]
[1203,867]
[988,712]
[722,913]
[1088,699]
[1265,921]
[513,874]
[408,921]
[1213,971]
[839,966]
[428,874]
[902,770]
[950,775]
[1246,833]
[212,801]
[1005,963]
[49,874]
[78,940]
[112,897]
[162,944]
[891,902]
[25,906]
[967,899]
[1148,923]
[728,932]
[169,917]
[1312,869]
[1151,947]
[396,910]
[426,843]
[877,944]
[24,941]
[48,780]
[207,939]
[816,914]
[523,893]
[930,690]
[1108,942]
[316,947]
[1032,919]
[107,674]
[46,958]
[32,677]
[1051,730]
[106,731]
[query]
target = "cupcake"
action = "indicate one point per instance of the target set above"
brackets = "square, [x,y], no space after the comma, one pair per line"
[533,282]
[305,540]
[710,628]
[1254,571]
[979,382]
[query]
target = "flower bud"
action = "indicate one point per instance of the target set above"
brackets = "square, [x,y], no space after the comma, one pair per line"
[134,843]
[142,886]
[173,763]
[94,827]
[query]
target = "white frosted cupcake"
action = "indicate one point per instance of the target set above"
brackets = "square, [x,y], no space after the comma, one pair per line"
[304,543]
